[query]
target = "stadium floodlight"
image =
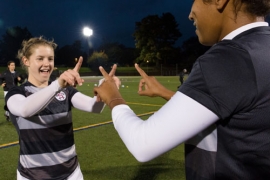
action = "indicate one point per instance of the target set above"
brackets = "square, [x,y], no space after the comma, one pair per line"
[87,31]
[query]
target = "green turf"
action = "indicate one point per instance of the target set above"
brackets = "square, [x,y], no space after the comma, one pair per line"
[102,154]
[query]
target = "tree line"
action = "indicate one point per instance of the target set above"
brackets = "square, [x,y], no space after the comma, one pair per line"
[154,38]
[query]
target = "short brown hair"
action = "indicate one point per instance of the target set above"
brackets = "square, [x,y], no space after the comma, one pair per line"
[27,45]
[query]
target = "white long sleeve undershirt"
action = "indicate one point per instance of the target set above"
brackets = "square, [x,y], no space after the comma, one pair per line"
[178,120]
[23,106]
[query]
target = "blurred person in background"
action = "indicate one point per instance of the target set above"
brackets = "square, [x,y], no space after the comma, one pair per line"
[8,79]
[181,77]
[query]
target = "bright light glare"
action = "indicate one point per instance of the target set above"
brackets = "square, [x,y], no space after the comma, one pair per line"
[87,31]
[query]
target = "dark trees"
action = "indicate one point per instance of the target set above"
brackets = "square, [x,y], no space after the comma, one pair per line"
[155,37]
[11,42]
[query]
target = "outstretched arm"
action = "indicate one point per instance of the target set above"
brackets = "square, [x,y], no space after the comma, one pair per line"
[23,106]
[177,121]
[86,103]
[89,104]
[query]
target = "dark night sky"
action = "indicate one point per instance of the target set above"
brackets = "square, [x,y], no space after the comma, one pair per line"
[114,20]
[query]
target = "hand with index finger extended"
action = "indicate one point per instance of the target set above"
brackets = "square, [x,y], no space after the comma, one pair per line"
[78,65]
[108,89]
[149,86]
[106,77]
[71,76]
[104,73]
[78,79]
[140,71]
[112,74]
[144,85]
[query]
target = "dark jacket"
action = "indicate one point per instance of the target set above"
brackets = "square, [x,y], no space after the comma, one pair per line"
[11,79]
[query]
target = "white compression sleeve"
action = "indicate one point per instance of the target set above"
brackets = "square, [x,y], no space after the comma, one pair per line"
[178,120]
[86,103]
[20,105]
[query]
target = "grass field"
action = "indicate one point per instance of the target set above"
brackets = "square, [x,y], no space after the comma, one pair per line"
[102,154]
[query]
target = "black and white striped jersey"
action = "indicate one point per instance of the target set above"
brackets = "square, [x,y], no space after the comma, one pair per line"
[47,149]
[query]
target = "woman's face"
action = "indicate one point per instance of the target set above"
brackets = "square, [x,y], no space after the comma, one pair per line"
[207,20]
[40,65]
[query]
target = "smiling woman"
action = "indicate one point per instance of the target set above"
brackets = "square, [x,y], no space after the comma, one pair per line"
[37,57]
[41,112]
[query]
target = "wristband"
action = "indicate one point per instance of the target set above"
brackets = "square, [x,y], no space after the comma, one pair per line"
[114,100]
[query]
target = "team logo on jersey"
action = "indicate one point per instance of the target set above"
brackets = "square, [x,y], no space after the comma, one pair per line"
[61,96]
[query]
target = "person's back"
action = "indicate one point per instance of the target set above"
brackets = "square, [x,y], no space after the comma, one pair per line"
[251,144]
[239,146]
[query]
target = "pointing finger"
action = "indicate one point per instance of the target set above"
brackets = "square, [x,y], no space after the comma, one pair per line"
[79,64]
[104,73]
[140,71]
[112,72]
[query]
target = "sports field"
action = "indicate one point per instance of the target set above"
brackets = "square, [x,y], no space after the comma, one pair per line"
[101,153]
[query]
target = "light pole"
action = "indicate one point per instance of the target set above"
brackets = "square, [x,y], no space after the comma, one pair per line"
[87,32]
